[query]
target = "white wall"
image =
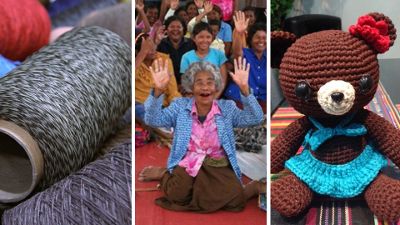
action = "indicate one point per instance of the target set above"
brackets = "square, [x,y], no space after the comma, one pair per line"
[350,10]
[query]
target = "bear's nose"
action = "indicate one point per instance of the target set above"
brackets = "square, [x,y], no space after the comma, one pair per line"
[337,97]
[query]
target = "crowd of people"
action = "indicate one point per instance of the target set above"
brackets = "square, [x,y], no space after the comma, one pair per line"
[193,31]
[197,75]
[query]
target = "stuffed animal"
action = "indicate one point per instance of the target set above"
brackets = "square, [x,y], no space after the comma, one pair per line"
[329,76]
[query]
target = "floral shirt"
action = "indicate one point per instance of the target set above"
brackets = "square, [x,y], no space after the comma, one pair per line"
[203,141]
[226,7]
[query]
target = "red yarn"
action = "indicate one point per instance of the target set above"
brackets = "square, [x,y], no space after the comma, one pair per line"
[374,33]
[24,28]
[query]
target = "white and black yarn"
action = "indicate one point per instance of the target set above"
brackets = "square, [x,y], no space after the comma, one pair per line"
[100,193]
[251,139]
[70,96]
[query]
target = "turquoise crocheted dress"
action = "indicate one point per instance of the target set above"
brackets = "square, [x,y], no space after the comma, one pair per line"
[340,181]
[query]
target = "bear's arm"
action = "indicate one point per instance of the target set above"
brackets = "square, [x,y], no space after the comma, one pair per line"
[287,143]
[385,135]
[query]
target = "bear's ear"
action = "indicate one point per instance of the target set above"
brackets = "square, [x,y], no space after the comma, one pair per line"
[280,42]
[376,29]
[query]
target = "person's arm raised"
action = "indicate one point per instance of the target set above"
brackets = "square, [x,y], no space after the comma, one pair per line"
[241,24]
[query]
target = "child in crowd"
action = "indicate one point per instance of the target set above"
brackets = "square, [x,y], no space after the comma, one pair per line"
[225,32]
[213,12]
[217,43]
[202,37]
[202,174]
[181,12]
[227,7]
[250,13]
[191,9]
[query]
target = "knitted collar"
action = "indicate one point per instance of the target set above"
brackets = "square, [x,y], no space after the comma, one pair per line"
[314,138]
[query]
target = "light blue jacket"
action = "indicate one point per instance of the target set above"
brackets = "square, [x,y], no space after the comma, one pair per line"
[178,116]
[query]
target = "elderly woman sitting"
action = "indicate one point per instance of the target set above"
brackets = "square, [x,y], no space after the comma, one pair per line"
[202,173]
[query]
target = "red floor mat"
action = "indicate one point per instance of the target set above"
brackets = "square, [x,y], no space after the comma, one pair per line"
[147,213]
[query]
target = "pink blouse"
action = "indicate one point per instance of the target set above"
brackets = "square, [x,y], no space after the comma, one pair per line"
[203,141]
[141,27]
[226,7]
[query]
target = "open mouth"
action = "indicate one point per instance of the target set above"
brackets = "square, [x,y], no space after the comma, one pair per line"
[261,46]
[152,19]
[205,95]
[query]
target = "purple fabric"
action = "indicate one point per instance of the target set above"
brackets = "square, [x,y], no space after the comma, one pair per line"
[100,193]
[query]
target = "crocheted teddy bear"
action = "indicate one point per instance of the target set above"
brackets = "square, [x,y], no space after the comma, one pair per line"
[329,76]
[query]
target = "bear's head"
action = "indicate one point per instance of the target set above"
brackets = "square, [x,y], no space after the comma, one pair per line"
[332,73]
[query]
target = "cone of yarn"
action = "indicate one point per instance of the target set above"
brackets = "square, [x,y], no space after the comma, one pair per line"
[24,28]
[69,97]
[21,162]
[99,193]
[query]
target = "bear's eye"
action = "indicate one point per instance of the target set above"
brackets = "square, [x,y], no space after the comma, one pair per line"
[365,83]
[303,90]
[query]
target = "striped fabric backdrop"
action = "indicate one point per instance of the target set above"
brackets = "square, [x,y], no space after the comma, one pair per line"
[336,212]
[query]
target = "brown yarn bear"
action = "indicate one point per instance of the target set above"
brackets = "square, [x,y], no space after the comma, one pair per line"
[329,76]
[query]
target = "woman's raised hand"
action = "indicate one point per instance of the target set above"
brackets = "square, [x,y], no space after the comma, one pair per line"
[139,5]
[199,3]
[241,23]
[208,6]
[241,75]
[160,33]
[161,76]
[174,4]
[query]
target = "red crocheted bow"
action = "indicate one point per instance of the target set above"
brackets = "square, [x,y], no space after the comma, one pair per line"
[374,33]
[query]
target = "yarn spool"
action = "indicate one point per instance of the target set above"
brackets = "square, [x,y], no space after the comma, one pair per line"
[21,162]
[24,28]
[100,193]
[69,97]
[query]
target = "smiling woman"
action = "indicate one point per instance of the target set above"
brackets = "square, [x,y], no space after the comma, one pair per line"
[200,128]
[202,37]
[207,70]
[255,55]
[175,44]
[202,174]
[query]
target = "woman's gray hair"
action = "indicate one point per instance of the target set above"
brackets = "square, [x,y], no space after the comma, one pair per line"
[189,76]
